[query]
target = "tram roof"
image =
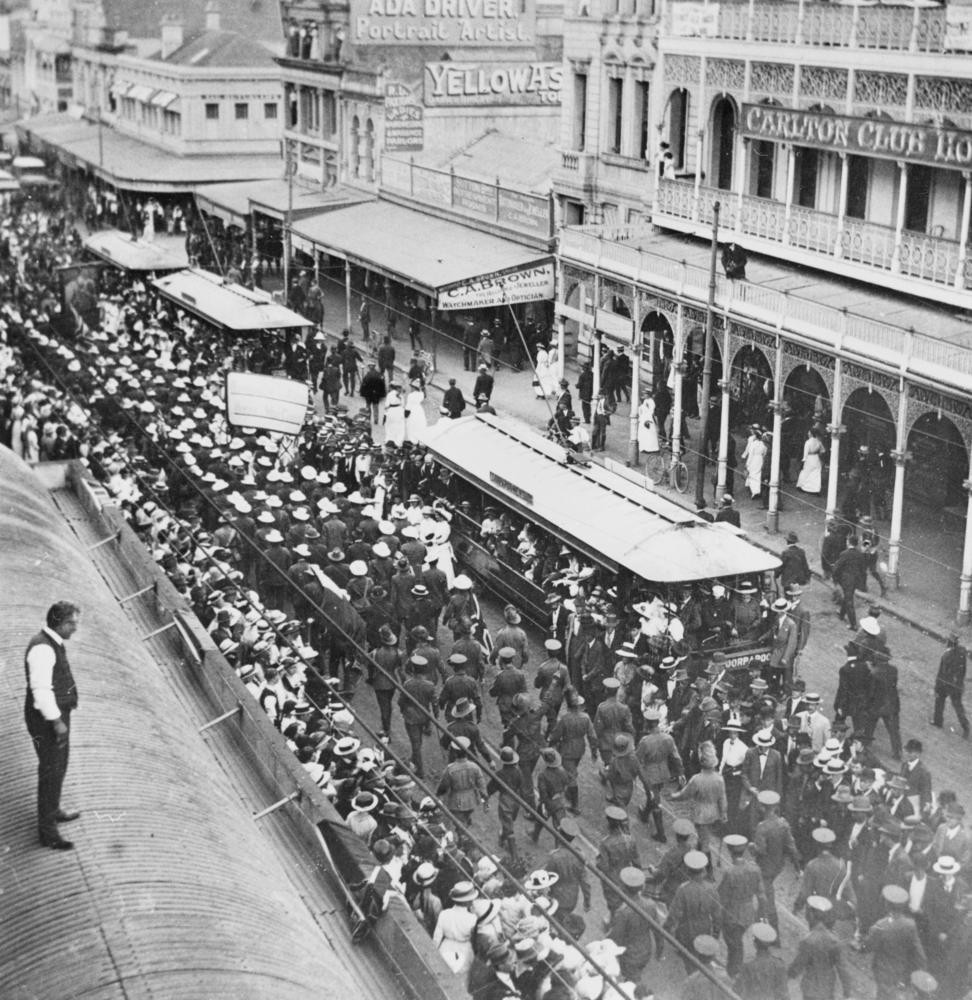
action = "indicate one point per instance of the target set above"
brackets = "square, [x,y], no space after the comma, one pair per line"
[173,891]
[227,305]
[596,511]
[120,249]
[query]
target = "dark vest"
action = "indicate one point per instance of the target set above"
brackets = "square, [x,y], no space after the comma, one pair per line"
[65,692]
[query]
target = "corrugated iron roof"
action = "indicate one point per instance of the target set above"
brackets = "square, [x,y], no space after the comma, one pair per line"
[172,891]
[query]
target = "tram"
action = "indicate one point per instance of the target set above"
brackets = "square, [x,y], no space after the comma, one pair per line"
[585,523]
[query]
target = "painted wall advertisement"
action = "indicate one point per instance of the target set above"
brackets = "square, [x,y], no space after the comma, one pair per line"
[404,126]
[526,284]
[460,84]
[447,23]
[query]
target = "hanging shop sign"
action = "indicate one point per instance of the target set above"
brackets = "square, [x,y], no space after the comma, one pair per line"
[454,84]
[879,137]
[448,23]
[527,284]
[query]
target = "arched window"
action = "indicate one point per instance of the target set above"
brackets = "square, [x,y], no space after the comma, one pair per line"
[368,152]
[722,129]
[763,164]
[677,114]
[354,158]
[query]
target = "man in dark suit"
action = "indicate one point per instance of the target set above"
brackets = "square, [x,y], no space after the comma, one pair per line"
[850,574]
[51,697]
[885,704]
[918,776]
[793,567]
[950,683]
[727,512]
[853,688]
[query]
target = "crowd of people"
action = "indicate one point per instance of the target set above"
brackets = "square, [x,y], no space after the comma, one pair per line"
[328,564]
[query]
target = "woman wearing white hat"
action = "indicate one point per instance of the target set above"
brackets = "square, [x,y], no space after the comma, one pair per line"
[454,928]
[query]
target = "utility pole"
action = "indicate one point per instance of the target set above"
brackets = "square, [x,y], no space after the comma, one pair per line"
[289,167]
[707,365]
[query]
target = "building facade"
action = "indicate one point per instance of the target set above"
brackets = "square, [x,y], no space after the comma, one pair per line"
[212,93]
[836,141]
[355,80]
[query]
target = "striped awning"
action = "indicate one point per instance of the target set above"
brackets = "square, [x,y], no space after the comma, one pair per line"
[140,92]
[163,98]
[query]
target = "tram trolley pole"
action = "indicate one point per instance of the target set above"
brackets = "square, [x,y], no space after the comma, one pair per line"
[707,364]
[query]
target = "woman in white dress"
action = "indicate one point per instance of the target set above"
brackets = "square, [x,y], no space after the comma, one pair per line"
[454,929]
[550,381]
[810,473]
[17,429]
[543,373]
[415,420]
[394,418]
[753,457]
[647,429]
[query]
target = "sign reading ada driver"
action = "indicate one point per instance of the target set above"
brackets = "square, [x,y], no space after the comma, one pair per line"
[442,22]
[527,284]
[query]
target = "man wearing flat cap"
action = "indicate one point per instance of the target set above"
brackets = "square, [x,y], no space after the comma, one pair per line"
[895,947]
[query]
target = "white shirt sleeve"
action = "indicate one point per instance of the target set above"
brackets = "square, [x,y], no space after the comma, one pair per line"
[40,674]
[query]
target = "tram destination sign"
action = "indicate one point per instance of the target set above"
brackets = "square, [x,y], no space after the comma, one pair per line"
[932,145]
[443,23]
[517,491]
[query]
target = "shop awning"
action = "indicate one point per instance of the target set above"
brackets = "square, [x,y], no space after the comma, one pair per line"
[420,250]
[139,92]
[129,163]
[8,182]
[163,98]
[225,305]
[225,201]
[120,249]
[614,521]
[234,202]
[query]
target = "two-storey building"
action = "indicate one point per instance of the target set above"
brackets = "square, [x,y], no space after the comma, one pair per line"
[837,141]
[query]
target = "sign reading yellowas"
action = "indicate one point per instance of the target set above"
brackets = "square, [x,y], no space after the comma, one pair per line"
[526,284]
[880,137]
[443,22]
[454,84]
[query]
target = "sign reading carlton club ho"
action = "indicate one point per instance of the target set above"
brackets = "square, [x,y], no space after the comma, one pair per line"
[879,137]
[455,84]
[525,284]
[448,23]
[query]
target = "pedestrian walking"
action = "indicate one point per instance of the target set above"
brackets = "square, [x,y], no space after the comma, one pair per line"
[950,683]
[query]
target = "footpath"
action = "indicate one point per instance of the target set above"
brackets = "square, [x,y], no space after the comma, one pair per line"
[931,555]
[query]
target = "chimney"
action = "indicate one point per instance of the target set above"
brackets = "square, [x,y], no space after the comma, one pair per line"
[171,34]
[212,15]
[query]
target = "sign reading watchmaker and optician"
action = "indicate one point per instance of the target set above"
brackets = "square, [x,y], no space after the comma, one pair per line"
[525,284]
[880,137]
[447,23]
[455,84]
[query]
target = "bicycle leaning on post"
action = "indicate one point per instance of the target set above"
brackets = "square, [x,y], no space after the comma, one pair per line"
[663,467]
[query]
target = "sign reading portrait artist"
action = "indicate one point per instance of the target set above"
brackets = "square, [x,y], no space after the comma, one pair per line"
[526,284]
[879,137]
[447,23]
[454,84]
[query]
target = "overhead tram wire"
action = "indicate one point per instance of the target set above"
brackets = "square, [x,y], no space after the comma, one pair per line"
[365,657]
